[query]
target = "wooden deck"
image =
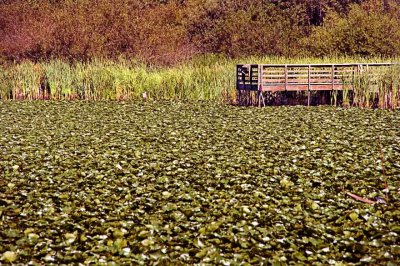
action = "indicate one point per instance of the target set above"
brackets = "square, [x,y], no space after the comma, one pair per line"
[303,77]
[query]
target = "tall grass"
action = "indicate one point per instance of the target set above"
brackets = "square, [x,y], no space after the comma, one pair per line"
[204,78]
[377,88]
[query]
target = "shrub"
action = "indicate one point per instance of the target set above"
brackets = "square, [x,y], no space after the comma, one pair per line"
[367,30]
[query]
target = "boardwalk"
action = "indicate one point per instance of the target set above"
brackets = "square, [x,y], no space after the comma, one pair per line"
[302,77]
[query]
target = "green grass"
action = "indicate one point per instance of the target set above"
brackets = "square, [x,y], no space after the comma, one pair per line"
[200,183]
[209,78]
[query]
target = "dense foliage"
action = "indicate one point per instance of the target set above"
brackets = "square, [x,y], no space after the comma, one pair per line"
[172,183]
[169,31]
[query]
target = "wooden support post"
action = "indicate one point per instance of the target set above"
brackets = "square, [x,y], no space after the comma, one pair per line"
[286,77]
[239,82]
[309,85]
[260,96]
[259,82]
[237,77]
[251,84]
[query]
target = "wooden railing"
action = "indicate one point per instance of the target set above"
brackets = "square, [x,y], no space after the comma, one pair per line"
[303,77]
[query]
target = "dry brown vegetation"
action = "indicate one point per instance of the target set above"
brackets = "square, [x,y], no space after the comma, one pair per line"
[170,31]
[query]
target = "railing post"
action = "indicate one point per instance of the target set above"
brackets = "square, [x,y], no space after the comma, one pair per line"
[251,76]
[260,76]
[259,85]
[286,77]
[240,82]
[309,85]
[237,76]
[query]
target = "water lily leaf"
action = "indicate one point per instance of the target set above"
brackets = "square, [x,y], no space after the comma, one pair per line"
[353,216]
[202,253]
[9,256]
[197,183]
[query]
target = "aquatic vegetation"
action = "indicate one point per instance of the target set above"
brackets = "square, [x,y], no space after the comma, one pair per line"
[208,77]
[173,182]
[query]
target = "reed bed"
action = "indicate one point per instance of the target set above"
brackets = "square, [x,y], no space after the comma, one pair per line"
[378,90]
[209,78]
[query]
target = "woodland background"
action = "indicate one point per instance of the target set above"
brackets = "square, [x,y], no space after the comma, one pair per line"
[167,32]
